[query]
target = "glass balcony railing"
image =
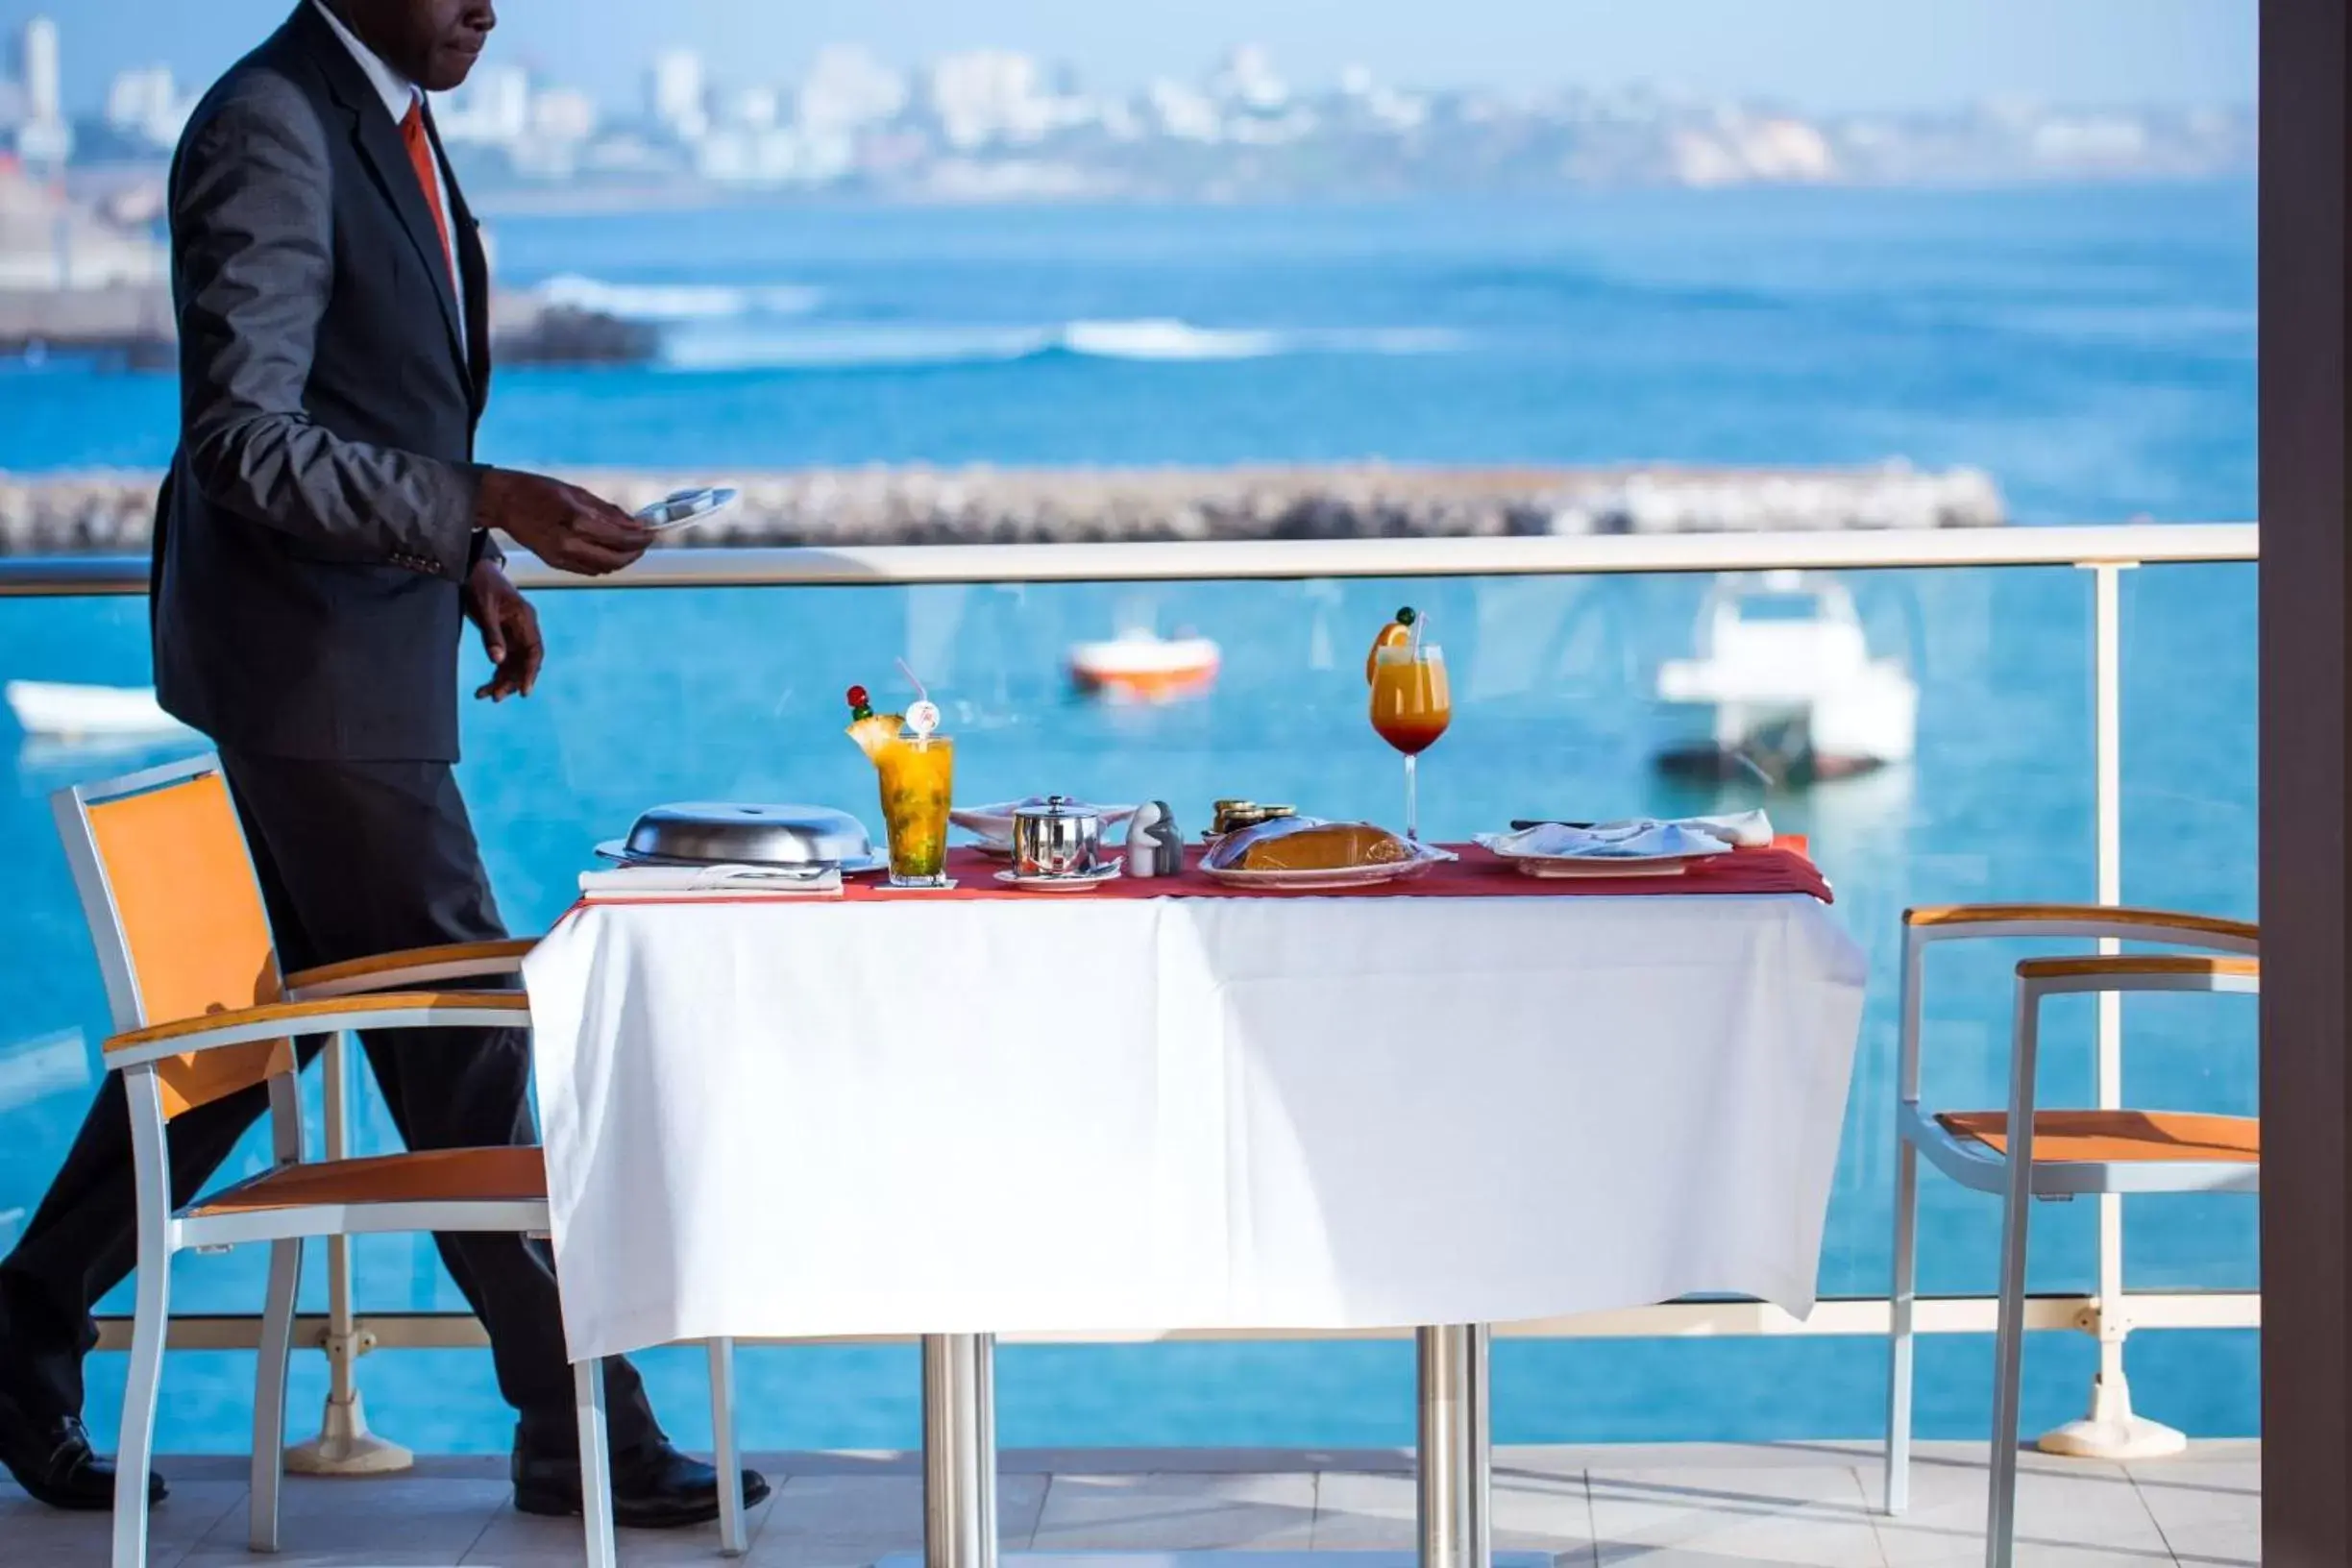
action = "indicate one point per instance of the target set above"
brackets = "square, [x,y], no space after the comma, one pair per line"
[734,692]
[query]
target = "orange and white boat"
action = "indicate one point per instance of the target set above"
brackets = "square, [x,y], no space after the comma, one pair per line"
[1143,667]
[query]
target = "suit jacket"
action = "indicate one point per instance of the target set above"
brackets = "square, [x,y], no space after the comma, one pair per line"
[317,523]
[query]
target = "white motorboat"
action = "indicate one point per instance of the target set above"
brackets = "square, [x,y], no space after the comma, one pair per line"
[1783,680]
[57,711]
[1143,667]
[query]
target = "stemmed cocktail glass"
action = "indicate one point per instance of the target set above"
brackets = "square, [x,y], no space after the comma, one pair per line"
[1412,705]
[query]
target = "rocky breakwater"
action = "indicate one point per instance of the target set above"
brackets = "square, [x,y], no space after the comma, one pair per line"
[982,505]
[111,513]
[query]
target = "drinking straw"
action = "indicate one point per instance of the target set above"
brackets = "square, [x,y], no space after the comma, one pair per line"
[923,714]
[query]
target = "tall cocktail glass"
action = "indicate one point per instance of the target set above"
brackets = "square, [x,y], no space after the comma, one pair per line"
[917,778]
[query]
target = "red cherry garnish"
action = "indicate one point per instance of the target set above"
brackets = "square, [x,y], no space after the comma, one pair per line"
[857,696]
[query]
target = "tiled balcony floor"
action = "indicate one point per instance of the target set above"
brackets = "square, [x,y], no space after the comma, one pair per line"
[1671,1506]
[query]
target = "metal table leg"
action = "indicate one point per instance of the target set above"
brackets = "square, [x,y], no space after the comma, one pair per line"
[959,1427]
[959,1430]
[1456,1462]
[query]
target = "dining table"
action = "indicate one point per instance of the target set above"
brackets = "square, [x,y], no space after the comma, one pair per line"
[1167,1105]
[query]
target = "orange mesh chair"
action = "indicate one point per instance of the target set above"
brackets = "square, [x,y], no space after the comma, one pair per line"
[2026,1152]
[202,1013]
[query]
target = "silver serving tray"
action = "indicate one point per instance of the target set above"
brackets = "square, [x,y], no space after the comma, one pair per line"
[706,833]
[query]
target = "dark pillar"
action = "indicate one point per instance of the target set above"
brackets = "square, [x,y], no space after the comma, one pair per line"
[2306,1091]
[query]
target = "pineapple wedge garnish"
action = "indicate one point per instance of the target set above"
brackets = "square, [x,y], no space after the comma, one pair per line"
[875,732]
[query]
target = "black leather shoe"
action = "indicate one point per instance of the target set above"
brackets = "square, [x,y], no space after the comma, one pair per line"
[52,1461]
[654,1488]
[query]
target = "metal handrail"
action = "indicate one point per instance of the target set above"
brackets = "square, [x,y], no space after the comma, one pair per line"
[1292,559]
[1833,1317]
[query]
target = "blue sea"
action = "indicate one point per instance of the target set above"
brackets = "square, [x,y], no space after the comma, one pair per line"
[2092,348]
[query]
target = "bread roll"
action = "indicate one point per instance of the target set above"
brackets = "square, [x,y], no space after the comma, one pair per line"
[1319,846]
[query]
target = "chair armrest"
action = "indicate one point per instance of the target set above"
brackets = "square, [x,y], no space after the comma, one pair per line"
[272,1020]
[2164,925]
[415,966]
[2141,971]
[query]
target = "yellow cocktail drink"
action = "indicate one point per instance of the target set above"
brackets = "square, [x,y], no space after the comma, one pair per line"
[918,775]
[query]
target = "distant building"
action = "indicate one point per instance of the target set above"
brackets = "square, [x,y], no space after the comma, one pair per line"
[754,108]
[1739,149]
[1247,80]
[43,139]
[742,155]
[2082,145]
[38,69]
[677,94]
[984,95]
[1184,114]
[144,103]
[47,243]
[492,110]
[563,124]
[563,114]
[1384,106]
[848,89]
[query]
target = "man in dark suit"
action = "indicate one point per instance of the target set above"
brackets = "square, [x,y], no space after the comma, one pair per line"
[321,540]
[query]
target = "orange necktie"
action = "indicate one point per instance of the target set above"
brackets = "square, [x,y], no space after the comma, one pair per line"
[420,155]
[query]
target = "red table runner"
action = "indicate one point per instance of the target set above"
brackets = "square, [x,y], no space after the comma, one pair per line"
[1784,867]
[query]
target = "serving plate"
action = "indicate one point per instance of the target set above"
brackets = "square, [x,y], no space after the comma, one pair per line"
[1333,879]
[1558,866]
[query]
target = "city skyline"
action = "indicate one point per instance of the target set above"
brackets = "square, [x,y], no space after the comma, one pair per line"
[999,124]
[1820,54]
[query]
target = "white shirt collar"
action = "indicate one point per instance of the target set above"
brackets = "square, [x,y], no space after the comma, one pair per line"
[399,93]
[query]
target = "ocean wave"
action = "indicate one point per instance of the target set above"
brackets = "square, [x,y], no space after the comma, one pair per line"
[1161,338]
[853,348]
[672,303]
[1149,339]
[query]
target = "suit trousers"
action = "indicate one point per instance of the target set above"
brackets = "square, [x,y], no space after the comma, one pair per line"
[355,859]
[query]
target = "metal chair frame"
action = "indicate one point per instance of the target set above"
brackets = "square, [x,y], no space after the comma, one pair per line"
[366,995]
[2016,1174]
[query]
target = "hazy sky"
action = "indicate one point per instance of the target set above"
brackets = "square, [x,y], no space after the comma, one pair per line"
[1818,54]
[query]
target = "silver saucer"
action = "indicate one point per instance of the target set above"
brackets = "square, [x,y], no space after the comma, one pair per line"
[1079,882]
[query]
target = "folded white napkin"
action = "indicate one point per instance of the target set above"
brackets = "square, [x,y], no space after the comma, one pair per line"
[667,882]
[1635,839]
[1747,829]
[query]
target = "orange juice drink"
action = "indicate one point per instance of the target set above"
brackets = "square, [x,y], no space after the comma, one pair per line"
[1412,705]
[917,776]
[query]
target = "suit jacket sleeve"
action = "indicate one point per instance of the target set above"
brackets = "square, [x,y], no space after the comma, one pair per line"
[253,253]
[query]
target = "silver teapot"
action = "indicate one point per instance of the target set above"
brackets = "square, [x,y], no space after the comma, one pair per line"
[1058,836]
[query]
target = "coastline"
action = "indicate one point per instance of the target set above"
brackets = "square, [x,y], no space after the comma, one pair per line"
[131,325]
[111,513]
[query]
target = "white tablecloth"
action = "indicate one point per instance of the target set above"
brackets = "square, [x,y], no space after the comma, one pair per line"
[926,1116]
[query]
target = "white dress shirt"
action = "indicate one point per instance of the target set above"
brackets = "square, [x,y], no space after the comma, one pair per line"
[399,95]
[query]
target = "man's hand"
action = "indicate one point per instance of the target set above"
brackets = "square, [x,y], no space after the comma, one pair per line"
[561,524]
[510,632]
